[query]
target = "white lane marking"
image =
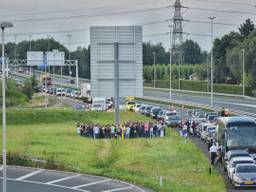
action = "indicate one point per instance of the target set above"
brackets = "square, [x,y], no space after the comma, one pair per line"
[30,174]
[89,184]
[63,179]
[38,183]
[119,189]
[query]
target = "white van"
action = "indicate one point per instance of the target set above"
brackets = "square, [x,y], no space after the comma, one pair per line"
[99,104]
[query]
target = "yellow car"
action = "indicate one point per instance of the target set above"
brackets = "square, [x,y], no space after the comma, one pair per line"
[130,105]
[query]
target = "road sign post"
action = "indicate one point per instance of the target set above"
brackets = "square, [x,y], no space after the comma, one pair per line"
[117,102]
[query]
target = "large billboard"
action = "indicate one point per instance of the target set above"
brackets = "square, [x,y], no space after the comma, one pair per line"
[129,39]
[50,58]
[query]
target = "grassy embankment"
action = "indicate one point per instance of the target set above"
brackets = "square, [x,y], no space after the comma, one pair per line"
[46,133]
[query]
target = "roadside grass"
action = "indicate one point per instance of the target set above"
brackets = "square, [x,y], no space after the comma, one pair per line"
[140,161]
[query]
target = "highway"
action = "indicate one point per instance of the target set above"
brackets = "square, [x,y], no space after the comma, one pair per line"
[21,179]
[235,103]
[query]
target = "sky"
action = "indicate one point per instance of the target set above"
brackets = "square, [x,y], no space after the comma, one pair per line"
[58,19]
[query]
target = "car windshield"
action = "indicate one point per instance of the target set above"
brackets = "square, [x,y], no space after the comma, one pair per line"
[172,117]
[246,169]
[212,117]
[241,136]
[239,155]
[241,162]
[131,103]
[211,128]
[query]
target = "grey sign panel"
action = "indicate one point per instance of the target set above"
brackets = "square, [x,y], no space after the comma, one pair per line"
[129,41]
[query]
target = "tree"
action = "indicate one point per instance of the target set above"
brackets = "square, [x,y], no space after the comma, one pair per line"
[246,28]
[27,88]
[192,52]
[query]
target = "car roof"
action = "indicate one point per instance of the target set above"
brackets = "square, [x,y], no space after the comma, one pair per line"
[237,119]
[246,165]
[237,152]
[242,159]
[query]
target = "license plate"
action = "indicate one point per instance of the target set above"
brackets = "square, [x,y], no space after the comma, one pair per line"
[248,183]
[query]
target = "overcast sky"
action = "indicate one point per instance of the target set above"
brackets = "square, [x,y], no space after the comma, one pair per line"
[29,16]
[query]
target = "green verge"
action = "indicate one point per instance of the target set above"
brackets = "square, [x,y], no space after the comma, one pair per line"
[47,134]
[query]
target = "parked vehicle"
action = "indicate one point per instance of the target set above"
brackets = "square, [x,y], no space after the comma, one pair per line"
[168,114]
[148,110]
[173,121]
[154,112]
[236,161]
[60,92]
[137,107]
[244,175]
[142,109]
[237,133]
[99,104]
[86,93]
[206,131]
[160,115]
[232,154]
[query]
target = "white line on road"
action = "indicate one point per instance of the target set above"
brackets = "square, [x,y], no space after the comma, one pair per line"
[30,174]
[63,179]
[119,189]
[89,184]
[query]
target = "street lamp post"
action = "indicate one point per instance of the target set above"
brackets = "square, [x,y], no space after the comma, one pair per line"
[170,93]
[3,26]
[212,18]
[243,51]
[154,54]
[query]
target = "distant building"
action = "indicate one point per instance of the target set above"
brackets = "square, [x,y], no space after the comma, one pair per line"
[194,77]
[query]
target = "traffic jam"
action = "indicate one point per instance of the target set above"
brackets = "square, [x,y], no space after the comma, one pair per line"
[231,140]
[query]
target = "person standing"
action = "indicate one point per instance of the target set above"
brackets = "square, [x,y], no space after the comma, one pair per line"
[213,153]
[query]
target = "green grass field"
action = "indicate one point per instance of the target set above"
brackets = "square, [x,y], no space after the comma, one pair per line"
[141,161]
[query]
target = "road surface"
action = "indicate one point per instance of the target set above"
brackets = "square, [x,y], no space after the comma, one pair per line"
[235,103]
[21,179]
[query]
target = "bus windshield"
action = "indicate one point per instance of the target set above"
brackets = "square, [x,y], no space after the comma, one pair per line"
[243,136]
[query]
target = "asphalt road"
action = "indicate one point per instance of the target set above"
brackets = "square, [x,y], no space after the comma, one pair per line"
[21,179]
[241,104]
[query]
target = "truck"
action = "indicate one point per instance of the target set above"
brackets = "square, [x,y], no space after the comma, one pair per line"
[86,93]
[99,104]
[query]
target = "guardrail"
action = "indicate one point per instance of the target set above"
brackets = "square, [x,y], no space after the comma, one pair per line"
[202,93]
[182,102]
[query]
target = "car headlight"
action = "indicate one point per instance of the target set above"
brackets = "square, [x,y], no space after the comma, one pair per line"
[238,179]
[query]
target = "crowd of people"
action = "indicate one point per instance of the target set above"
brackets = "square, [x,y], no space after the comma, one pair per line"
[126,130]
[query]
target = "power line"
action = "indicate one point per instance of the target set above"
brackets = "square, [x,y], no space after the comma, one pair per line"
[186,33]
[125,12]
[225,2]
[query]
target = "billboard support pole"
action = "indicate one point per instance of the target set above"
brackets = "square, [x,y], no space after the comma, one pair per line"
[77,80]
[117,102]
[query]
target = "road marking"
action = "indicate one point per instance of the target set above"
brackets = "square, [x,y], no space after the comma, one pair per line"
[63,179]
[38,183]
[30,175]
[119,189]
[89,184]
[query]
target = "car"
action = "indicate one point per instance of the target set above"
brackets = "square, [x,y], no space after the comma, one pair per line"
[142,109]
[206,131]
[211,113]
[154,112]
[244,175]
[173,121]
[194,111]
[168,114]
[130,105]
[202,128]
[211,118]
[236,161]
[211,136]
[147,110]
[137,107]
[160,115]
[232,154]
[60,92]
[68,92]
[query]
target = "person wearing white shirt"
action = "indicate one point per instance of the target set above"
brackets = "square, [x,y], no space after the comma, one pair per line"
[213,153]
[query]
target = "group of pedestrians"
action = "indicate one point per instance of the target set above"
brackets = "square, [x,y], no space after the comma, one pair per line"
[126,130]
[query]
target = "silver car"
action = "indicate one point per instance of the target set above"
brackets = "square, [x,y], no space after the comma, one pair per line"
[244,175]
